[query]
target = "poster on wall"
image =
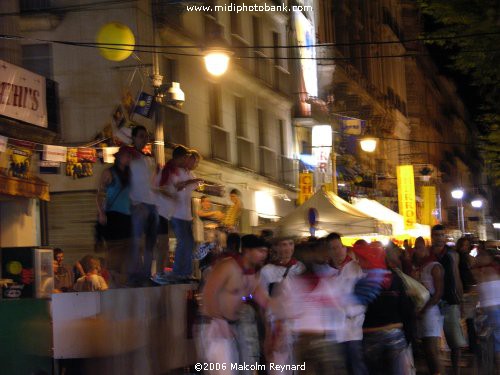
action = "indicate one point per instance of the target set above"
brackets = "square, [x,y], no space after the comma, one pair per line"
[79,162]
[16,160]
[22,95]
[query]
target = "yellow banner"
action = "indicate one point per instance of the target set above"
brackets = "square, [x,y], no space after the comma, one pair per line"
[305,187]
[406,195]
[429,197]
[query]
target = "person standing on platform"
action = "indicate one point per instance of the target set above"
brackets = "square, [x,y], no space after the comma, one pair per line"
[232,219]
[113,208]
[143,209]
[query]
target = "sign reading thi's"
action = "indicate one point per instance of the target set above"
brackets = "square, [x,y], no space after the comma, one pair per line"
[22,95]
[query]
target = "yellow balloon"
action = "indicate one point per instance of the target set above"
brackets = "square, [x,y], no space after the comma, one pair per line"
[14,267]
[116,33]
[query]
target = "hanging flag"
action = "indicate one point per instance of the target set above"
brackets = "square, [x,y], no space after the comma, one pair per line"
[79,162]
[16,160]
[3,143]
[406,195]
[54,153]
[429,206]
[144,104]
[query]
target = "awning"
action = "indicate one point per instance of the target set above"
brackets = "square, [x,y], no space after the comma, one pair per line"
[34,188]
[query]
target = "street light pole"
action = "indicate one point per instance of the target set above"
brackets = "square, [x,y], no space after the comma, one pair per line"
[458,194]
[157,80]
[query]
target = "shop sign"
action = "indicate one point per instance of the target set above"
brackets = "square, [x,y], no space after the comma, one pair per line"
[305,187]
[429,205]
[22,95]
[406,195]
[54,153]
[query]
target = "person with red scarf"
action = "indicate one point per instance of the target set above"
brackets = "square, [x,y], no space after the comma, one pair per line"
[271,276]
[430,324]
[232,282]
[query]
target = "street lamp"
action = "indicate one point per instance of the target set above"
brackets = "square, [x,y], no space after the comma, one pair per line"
[458,194]
[216,55]
[368,144]
[477,203]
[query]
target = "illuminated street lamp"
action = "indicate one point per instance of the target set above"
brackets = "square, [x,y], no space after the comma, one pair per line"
[217,61]
[368,144]
[477,203]
[458,194]
[216,55]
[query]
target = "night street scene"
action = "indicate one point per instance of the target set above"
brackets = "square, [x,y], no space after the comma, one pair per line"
[261,187]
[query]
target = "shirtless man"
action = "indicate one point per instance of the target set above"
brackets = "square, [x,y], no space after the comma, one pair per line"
[231,282]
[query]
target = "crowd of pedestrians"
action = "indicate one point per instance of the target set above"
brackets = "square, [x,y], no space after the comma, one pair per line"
[278,300]
[316,307]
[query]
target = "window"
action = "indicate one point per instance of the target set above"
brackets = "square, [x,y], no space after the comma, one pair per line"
[262,127]
[239,115]
[175,128]
[235,22]
[214,97]
[34,5]
[38,59]
[277,49]
[282,136]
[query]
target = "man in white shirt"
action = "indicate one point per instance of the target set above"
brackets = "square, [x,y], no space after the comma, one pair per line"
[184,183]
[143,210]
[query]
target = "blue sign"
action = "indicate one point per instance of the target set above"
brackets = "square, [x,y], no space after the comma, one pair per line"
[144,104]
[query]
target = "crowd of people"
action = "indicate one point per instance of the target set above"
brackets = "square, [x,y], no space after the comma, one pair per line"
[279,301]
[137,203]
[318,307]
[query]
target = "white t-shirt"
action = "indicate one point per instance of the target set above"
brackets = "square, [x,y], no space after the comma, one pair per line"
[165,205]
[141,179]
[182,208]
[273,273]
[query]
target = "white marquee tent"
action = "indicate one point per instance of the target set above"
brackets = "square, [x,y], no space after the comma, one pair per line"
[333,215]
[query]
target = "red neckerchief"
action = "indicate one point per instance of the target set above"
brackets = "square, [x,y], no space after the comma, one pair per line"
[311,280]
[168,170]
[239,260]
[346,260]
[291,262]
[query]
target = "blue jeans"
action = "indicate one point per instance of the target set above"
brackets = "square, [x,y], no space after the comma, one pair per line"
[385,352]
[183,263]
[355,358]
[144,222]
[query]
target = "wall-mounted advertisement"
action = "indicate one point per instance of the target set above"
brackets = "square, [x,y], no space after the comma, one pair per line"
[22,95]
[306,37]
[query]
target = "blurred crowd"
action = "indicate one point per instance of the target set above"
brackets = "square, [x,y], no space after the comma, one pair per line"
[282,301]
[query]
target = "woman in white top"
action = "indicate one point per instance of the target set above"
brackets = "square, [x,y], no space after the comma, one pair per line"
[430,324]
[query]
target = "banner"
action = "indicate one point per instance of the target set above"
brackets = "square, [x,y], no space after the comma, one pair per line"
[16,161]
[429,205]
[144,104]
[54,153]
[406,195]
[79,162]
[305,33]
[305,187]
[352,126]
[22,95]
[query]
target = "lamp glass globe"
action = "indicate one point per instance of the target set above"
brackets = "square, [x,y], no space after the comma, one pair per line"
[216,62]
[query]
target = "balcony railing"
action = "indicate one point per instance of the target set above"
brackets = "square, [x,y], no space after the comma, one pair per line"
[288,172]
[268,163]
[220,144]
[246,154]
